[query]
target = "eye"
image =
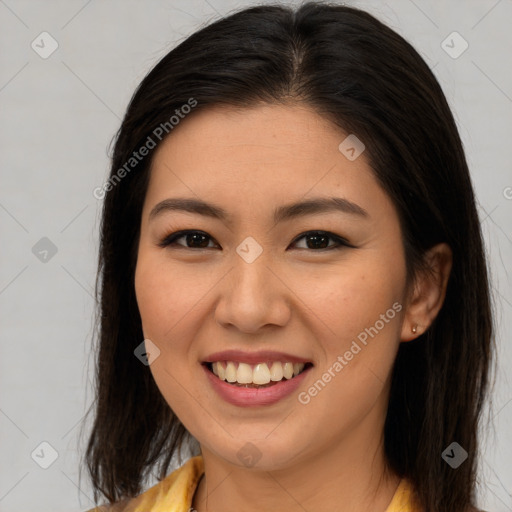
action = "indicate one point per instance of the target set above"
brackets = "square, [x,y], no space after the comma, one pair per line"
[316,240]
[196,239]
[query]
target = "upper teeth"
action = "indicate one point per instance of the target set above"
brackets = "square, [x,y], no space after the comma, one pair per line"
[260,374]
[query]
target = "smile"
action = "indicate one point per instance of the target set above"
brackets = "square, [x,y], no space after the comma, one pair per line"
[262,374]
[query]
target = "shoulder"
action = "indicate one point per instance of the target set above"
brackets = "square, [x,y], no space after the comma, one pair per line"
[178,488]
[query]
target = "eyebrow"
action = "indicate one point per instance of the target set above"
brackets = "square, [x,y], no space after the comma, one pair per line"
[282,213]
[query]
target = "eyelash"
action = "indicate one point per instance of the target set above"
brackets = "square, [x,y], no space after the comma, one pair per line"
[171,239]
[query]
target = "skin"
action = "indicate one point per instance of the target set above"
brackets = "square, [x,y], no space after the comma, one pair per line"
[293,298]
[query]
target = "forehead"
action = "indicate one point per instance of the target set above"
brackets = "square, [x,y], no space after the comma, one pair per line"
[260,134]
[261,156]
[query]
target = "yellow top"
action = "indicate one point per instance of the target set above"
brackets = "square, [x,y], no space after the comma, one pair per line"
[176,492]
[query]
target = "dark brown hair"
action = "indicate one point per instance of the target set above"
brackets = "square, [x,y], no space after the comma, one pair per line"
[368,80]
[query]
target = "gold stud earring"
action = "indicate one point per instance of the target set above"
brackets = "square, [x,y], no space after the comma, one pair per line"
[414,329]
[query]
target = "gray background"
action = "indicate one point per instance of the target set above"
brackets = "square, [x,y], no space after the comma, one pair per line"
[58,116]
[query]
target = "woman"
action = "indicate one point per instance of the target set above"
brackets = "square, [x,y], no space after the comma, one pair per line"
[292,275]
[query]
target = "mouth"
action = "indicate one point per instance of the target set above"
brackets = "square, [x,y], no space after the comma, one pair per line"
[260,375]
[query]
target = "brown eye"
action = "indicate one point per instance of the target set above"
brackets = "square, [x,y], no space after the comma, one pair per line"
[315,240]
[193,239]
[319,240]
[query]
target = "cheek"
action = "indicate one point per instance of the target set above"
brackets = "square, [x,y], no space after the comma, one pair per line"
[358,318]
[348,300]
[358,353]
[165,307]
[165,296]
[150,291]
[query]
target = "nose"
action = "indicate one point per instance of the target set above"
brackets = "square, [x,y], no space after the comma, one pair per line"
[253,296]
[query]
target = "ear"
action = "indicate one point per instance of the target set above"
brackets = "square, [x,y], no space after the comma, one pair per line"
[428,292]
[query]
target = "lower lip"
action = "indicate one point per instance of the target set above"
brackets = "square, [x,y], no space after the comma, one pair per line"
[249,397]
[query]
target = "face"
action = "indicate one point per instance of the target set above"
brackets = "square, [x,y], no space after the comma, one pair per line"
[259,287]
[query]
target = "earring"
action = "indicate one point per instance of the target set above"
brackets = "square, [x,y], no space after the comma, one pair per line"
[414,329]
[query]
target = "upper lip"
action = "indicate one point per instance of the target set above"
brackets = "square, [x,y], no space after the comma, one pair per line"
[254,357]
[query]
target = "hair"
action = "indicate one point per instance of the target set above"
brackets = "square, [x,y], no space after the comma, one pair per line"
[364,77]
